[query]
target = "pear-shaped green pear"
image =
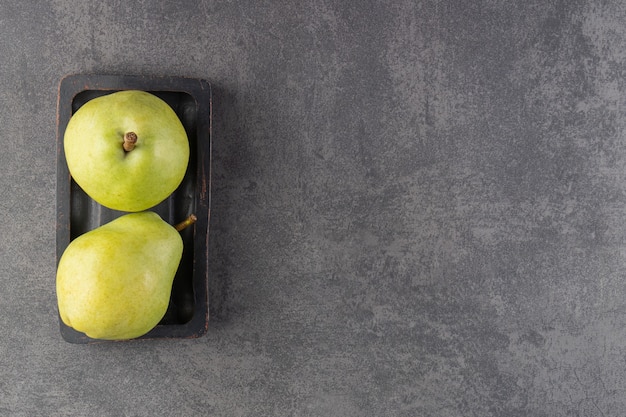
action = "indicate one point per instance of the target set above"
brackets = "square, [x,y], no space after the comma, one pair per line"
[114,282]
[127,150]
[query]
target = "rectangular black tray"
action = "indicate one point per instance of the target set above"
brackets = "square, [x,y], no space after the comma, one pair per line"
[188,313]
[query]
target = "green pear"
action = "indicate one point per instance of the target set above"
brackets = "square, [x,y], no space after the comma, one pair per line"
[114,282]
[127,150]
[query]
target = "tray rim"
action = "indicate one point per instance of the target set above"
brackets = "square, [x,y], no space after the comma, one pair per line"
[201,91]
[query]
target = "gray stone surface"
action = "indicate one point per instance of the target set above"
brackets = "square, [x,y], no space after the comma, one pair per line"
[418,208]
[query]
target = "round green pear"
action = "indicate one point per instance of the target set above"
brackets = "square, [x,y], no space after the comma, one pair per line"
[127,150]
[114,282]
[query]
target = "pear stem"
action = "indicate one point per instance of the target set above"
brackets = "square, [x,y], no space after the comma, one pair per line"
[186,223]
[130,139]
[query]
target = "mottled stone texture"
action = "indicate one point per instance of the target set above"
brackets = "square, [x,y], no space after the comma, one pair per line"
[418,208]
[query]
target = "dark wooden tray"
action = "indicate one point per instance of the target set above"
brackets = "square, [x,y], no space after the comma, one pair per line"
[188,313]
